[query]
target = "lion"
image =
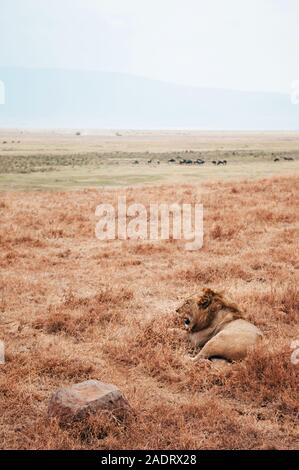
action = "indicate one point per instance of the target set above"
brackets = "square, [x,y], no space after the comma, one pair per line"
[217,326]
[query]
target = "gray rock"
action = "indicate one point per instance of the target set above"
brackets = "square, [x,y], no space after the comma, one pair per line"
[79,400]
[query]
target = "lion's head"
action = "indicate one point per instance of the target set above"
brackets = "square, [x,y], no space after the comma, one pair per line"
[199,310]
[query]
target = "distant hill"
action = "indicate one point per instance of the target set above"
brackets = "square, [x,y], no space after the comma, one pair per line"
[47,98]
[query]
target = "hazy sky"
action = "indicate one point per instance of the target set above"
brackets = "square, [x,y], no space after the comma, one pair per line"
[239,44]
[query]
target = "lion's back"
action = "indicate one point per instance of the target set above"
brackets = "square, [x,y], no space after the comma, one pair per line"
[236,338]
[242,327]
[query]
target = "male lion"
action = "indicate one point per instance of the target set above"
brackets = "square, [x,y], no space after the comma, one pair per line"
[217,326]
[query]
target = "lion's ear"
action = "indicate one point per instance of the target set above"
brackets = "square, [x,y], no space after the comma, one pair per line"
[208,291]
[207,298]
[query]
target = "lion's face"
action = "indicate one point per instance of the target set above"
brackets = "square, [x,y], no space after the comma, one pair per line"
[200,310]
[187,313]
[194,312]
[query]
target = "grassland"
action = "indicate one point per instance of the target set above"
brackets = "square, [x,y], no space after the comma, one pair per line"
[73,308]
[65,160]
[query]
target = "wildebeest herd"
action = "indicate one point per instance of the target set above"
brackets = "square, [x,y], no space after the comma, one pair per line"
[200,161]
[184,161]
[188,161]
[288,159]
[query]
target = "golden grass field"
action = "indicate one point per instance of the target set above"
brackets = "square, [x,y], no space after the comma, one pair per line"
[74,308]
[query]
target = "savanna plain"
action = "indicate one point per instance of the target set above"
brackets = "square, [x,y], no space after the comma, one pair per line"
[73,308]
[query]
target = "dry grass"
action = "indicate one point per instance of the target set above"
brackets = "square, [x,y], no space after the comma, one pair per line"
[72,308]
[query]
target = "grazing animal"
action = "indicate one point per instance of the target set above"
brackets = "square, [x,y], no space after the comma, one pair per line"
[136,162]
[276,159]
[172,160]
[288,158]
[224,162]
[149,161]
[199,162]
[217,326]
[214,162]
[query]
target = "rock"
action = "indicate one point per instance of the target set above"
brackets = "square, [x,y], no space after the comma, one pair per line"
[79,400]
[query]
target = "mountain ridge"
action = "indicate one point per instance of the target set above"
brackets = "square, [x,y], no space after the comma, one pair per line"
[67,98]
